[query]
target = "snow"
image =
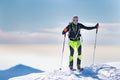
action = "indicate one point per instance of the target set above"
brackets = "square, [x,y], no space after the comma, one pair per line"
[109,71]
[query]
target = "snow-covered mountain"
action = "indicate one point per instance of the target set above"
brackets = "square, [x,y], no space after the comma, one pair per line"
[17,70]
[109,71]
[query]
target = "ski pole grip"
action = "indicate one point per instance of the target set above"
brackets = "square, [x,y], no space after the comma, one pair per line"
[97,28]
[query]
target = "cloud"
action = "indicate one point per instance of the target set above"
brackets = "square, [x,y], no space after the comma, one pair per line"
[33,37]
[110,24]
[54,30]
[108,35]
[24,35]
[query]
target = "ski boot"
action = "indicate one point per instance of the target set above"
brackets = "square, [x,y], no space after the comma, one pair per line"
[71,68]
[79,68]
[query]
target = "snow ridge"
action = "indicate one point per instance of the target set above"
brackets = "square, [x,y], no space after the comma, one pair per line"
[94,72]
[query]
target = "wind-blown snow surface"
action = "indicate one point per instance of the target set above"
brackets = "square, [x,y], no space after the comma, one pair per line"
[110,71]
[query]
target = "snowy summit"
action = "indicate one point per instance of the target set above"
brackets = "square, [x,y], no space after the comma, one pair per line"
[109,71]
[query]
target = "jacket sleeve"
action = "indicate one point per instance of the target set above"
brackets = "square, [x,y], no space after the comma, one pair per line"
[88,28]
[66,29]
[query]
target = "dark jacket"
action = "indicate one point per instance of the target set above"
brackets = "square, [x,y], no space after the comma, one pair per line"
[74,30]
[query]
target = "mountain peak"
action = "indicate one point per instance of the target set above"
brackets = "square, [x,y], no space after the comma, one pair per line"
[17,70]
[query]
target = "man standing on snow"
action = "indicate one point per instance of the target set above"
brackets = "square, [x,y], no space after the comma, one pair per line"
[74,36]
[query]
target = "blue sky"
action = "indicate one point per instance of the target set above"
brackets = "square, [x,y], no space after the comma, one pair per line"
[41,21]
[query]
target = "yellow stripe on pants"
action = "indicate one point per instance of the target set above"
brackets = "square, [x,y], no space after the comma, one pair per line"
[79,57]
[74,44]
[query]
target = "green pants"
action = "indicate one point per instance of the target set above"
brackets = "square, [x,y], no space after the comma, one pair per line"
[73,45]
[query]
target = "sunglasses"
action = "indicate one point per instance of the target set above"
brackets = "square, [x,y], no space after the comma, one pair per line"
[75,20]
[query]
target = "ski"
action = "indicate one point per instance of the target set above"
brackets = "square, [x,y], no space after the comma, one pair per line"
[72,69]
[78,70]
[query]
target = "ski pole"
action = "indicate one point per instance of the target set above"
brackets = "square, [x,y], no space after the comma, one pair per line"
[62,52]
[95,45]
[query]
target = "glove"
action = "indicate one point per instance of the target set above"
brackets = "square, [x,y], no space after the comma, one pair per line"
[63,33]
[97,25]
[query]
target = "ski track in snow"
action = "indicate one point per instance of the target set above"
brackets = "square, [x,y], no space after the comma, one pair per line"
[94,72]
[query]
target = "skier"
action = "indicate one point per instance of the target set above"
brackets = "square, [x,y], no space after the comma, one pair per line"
[74,39]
